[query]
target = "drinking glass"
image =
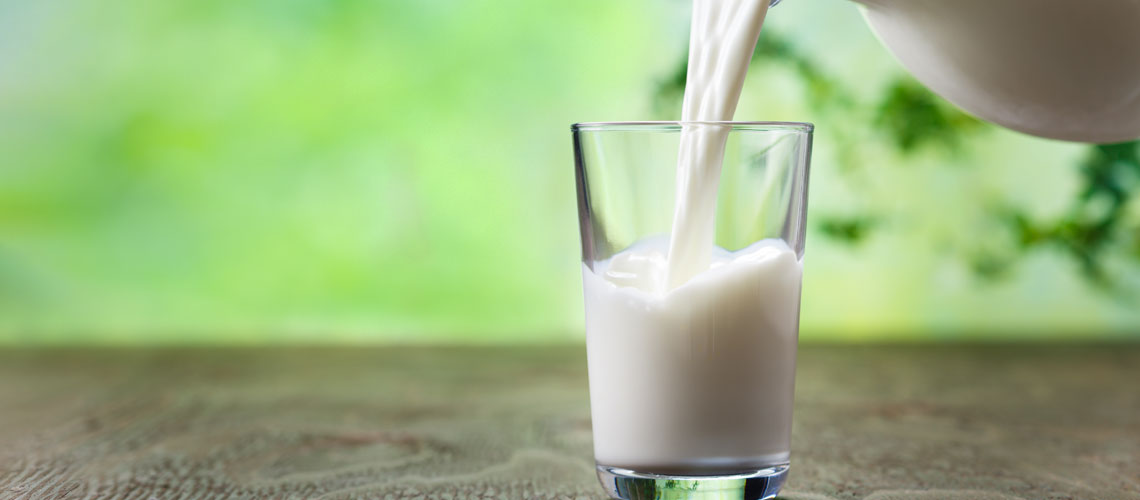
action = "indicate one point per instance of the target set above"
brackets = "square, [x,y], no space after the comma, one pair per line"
[691,387]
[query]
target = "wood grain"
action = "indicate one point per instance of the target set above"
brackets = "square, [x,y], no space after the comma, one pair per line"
[876,423]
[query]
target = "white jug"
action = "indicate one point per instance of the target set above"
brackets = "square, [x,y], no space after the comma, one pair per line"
[1063,69]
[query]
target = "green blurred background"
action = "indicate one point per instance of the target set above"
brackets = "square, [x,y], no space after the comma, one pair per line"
[264,171]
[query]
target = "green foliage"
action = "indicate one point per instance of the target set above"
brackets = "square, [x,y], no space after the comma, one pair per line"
[186,171]
[1096,225]
[823,90]
[849,230]
[911,117]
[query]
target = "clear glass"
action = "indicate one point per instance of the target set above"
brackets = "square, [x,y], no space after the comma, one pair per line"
[691,387]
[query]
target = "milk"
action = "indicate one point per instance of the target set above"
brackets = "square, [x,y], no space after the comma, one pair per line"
[692,348]
[697,378]
[721,41]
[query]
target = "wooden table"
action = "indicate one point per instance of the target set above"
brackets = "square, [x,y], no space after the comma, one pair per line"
[929,422]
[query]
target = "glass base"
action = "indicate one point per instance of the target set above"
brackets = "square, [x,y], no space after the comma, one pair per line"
[626,484]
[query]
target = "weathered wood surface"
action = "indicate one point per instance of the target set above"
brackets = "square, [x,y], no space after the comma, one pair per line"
[881,423]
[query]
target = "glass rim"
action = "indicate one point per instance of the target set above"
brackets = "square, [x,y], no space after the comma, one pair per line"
[677,125]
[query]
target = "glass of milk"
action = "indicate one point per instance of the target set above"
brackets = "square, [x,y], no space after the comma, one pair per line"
[692,363]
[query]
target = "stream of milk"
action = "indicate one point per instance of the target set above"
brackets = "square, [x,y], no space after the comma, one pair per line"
[721,41]
[692,348]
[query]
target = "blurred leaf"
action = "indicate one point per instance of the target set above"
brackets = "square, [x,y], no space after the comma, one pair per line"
[670,91]
[1094,224]
[851,230]
[914,117]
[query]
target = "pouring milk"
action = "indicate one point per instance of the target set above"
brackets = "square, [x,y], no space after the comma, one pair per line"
[721,41]
[691,347]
